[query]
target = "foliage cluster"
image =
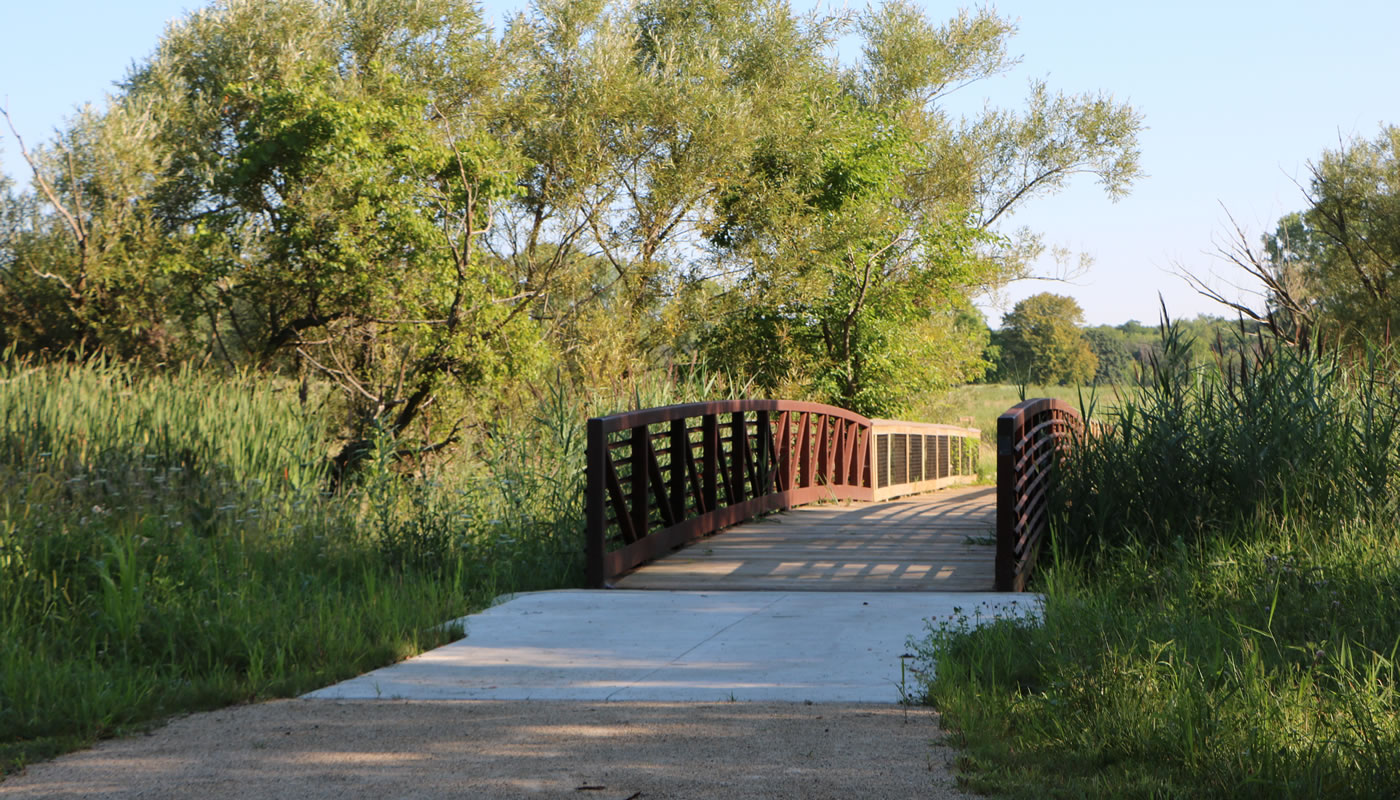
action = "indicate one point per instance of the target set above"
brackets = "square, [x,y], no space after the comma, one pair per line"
[1330,270]
[1219,614]
[390,196]
[1041,341]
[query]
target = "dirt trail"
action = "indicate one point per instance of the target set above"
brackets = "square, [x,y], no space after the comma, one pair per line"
[494,749]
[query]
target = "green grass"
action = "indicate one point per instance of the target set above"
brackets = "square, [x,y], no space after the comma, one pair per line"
[166,546]
[1221,612]
[978,406]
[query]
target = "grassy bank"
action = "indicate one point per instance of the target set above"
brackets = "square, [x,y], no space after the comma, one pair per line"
[1221,616]
[166,545]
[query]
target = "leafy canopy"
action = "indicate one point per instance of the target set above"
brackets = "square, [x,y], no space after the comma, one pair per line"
[1042,343]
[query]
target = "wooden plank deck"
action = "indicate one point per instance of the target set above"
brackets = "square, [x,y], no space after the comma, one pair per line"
[936,542]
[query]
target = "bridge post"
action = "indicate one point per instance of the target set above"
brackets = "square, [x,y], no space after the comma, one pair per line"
[738,455]
[641,505]
[595,503]
[1010,428]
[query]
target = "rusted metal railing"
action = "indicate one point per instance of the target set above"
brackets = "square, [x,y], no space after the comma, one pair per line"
[661,477]
[1031,438]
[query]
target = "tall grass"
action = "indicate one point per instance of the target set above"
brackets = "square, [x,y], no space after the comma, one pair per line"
[1221,615]
[166,544]
[1203,449]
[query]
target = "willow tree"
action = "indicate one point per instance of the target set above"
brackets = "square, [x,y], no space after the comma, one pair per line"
[633,118]
[868,218]
[304,187]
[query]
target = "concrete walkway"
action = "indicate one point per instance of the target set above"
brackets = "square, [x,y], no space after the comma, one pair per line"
[681,646]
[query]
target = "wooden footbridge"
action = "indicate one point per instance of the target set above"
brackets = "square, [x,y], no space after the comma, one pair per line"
[870,504]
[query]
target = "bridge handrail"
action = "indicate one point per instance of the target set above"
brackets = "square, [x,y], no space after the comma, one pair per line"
[765,455]
[1031,438]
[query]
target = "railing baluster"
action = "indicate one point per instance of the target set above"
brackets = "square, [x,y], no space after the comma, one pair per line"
[641,498]
[680,449]
[863,458]
[692,471]
[804,452]
[784,451]
[765,455]
[709,458]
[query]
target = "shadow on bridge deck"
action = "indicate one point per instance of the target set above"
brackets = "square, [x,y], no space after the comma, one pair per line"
[937,542]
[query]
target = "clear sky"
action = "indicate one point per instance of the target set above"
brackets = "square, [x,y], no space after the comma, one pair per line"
[1237,96]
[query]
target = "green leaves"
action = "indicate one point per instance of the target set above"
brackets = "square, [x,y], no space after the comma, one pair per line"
[1337,262]
[1042,343]
[909,61]
[387,196]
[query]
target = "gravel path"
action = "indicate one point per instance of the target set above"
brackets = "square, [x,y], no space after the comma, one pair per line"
[514,749]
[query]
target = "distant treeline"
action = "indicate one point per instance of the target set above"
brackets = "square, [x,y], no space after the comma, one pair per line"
[1041,342]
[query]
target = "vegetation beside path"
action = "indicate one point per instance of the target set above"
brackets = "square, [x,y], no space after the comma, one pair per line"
[167,544]
[1221,612]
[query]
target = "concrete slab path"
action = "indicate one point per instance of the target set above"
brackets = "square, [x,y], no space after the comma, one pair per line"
[680,646]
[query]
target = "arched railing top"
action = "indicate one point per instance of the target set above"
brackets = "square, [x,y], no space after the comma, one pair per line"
[660,477]
[652,416]
[1031,438]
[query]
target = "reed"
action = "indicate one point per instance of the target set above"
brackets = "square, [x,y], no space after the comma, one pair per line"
[1220,616]
[167,542]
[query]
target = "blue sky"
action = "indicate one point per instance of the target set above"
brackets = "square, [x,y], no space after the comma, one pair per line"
[1237,97]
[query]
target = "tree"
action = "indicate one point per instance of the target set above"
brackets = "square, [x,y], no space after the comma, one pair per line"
[1113,352]
[850,299]
[633,120]
[865,220]
[1042,342]
[1334,267]
[304,186]
[77,251]
[1346,244]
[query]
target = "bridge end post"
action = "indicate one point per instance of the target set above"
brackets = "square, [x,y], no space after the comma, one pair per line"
[595,503]
[1009,431]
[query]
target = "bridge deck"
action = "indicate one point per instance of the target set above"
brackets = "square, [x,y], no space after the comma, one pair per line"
[942,541]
